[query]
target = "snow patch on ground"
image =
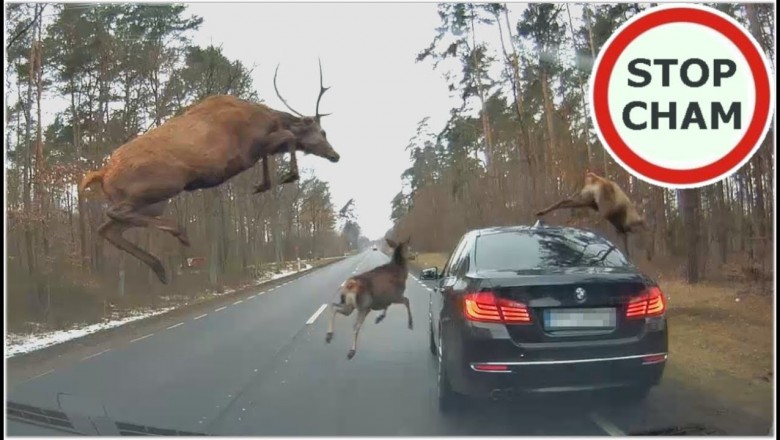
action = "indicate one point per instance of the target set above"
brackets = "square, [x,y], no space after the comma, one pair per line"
[16,344]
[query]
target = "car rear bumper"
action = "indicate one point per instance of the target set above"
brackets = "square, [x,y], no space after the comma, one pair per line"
[482,379]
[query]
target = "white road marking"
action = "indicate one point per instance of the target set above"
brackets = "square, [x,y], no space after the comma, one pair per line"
[41,375]
[96,354]
[252,296]
[607,426]
[201,316]
[175,325]
[238,302]
[316,314]
[142,337]
[221,308]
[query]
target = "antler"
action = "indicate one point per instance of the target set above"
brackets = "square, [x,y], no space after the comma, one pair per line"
[280,95]
[323,89]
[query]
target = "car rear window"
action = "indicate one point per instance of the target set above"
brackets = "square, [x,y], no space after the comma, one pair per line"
[521,250]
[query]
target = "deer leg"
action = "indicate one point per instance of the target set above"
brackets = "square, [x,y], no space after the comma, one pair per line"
[381,317]
[156,210]
[408,312]
[362,313]
[125,212]
[266,185]
[112,231]
[344,309]
[292,176]
[574,202]
[625,243]
[405,301]
[270,146]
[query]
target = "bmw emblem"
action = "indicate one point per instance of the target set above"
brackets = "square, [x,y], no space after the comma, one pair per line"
[579,294]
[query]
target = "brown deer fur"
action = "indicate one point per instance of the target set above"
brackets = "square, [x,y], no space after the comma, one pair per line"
[208,144]
[612,204]
[375,289]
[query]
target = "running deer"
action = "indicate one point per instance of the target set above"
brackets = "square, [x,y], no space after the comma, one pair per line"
[208,144]
[612,204]
[376,289]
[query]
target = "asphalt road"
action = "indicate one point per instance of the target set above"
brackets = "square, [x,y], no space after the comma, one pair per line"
[260,366]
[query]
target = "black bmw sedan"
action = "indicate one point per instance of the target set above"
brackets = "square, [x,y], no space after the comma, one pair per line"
[543,309]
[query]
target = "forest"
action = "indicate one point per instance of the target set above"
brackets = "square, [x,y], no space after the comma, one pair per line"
[120,70]
[522,139]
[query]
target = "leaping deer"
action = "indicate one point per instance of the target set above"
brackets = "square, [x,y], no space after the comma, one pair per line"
[375,289]
[210,143]
[612,204]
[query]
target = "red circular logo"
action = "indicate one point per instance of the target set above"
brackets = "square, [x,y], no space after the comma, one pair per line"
[638,49]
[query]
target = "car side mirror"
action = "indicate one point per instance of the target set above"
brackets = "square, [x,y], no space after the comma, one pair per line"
[430,274]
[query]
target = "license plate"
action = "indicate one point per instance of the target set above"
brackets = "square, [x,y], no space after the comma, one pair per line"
[560,319]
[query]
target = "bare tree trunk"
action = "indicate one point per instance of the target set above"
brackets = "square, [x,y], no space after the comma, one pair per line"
[548,115]
[593,58]
[582,90]
[36,61]
[689,205]
[486,132]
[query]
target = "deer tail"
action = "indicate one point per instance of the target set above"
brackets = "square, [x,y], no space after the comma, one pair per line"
[91,178]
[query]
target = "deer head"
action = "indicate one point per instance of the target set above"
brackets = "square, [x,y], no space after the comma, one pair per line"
[401,249]
[311,137]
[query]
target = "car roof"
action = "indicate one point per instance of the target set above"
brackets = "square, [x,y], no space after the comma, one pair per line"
[538,226]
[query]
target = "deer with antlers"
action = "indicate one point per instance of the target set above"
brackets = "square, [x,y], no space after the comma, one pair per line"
[612,204]
[375,289]
[210,143]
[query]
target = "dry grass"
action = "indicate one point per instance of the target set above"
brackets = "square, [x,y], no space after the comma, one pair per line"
[432,259]
[720,338]
[721,341]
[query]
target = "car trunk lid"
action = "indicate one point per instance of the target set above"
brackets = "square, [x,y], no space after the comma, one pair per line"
[570,304]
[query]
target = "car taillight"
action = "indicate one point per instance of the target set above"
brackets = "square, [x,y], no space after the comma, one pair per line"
[486,307]
[650,303]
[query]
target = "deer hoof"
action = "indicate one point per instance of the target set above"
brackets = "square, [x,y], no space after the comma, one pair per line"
[411,326]
[161,275]
[183,239]
[379,319]
[328,337]
[540,213]
[262,188]
[351,354]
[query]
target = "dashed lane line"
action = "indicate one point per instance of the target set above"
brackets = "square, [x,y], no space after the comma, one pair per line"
[175,325]
[45,373]
[201,316]
[607,426]
[316,314]
[142,338]
[95,354]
